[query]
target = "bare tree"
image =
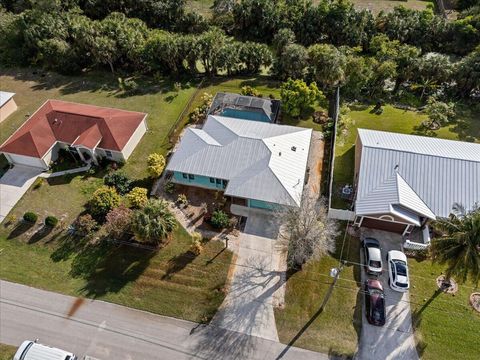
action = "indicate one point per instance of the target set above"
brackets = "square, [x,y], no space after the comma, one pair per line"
[308,231]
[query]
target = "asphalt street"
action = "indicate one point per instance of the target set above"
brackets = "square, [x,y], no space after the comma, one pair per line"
[107,331]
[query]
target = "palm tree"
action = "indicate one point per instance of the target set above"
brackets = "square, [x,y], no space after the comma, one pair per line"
[459,244]
[154,222]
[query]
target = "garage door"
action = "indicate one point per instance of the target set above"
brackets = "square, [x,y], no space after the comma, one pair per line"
[384,225]
[26,160]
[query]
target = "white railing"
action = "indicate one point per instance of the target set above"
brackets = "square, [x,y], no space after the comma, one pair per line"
[341,214]
[411,245]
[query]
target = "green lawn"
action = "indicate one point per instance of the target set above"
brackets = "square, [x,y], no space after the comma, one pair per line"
[388,5]
[7,352]
[335,330]
[203,7]
[466,127]
[169,281]
[446,327]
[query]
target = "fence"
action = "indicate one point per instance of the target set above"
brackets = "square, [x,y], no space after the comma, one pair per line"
[174,128]
[65,172]
[335,112]
[341,214]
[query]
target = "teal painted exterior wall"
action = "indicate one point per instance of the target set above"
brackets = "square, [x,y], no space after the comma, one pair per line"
[259,204]
[201,181]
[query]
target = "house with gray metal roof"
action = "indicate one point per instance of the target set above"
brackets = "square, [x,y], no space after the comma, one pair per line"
[260,165]
[7,104]
[403,181]
[245,107]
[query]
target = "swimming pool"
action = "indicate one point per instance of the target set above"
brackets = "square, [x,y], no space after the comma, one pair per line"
[245,115]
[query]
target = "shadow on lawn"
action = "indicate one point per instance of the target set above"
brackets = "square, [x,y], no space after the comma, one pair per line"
[94,82]
[178,263]
[105,267]
[19,229]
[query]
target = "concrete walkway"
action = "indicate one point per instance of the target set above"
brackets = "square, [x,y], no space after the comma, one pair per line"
[13,185]
[107,331]
[395,340]
[248,307]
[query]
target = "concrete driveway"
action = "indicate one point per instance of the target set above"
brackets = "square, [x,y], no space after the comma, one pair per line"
[248,307]
[394,340]
[13,184]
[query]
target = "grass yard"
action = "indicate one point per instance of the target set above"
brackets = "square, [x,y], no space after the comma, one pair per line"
[335,330]
[7,352]
[466,127]
[388,5]
[446,326]
[169,281]
[203,7]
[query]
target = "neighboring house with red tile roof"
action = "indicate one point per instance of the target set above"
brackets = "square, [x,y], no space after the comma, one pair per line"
[7,104]
[92,132]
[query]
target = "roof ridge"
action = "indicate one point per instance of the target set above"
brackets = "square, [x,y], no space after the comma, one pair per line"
[417,195]
[418,138]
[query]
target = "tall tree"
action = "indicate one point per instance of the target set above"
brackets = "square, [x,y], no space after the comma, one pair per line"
[458,245]
[328,64]
[297,96]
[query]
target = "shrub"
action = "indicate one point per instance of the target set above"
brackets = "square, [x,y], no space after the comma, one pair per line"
[119,180]
[182,199]
[220,219]
[51,221]
[118,221]
[85,225]
[153,223]
[103,200]
[169,187]
[200,113]
[249,91]
[137,197]
[30,217]
[196,247]
[155,165]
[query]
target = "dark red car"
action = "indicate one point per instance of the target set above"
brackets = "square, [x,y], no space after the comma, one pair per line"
[375,302]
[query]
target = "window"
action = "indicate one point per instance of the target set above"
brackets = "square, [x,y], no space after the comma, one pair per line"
[185,176]
[108,153]
[224,183]
[212,180]
[191,177]
[218,181]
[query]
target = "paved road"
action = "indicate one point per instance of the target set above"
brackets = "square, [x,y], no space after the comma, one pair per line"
[248,307]
[13,184]
[395,340]
[107,331]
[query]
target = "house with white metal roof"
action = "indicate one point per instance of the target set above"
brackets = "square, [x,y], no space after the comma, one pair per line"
[260,165]
[7,104]
[403,181]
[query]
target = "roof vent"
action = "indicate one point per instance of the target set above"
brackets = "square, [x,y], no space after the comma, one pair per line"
[294,148]
[280,153]
[396,167]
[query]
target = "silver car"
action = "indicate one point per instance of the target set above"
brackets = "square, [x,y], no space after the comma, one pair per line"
[373,256]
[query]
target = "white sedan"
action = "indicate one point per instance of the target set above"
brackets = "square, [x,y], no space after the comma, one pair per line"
[398,271]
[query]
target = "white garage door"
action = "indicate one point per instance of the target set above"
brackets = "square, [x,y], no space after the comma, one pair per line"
[26,160]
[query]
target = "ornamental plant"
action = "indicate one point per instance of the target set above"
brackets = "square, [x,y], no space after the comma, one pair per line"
[220,219]
[155,165]
[118,221]
[103,200]
[137,197]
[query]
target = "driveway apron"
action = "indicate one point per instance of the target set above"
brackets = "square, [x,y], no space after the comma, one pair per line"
[13,185]
[394,340]
[248,307]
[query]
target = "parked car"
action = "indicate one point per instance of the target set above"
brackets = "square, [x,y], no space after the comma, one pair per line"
[398,271]
[31,350]
[375,302]
[373,256]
